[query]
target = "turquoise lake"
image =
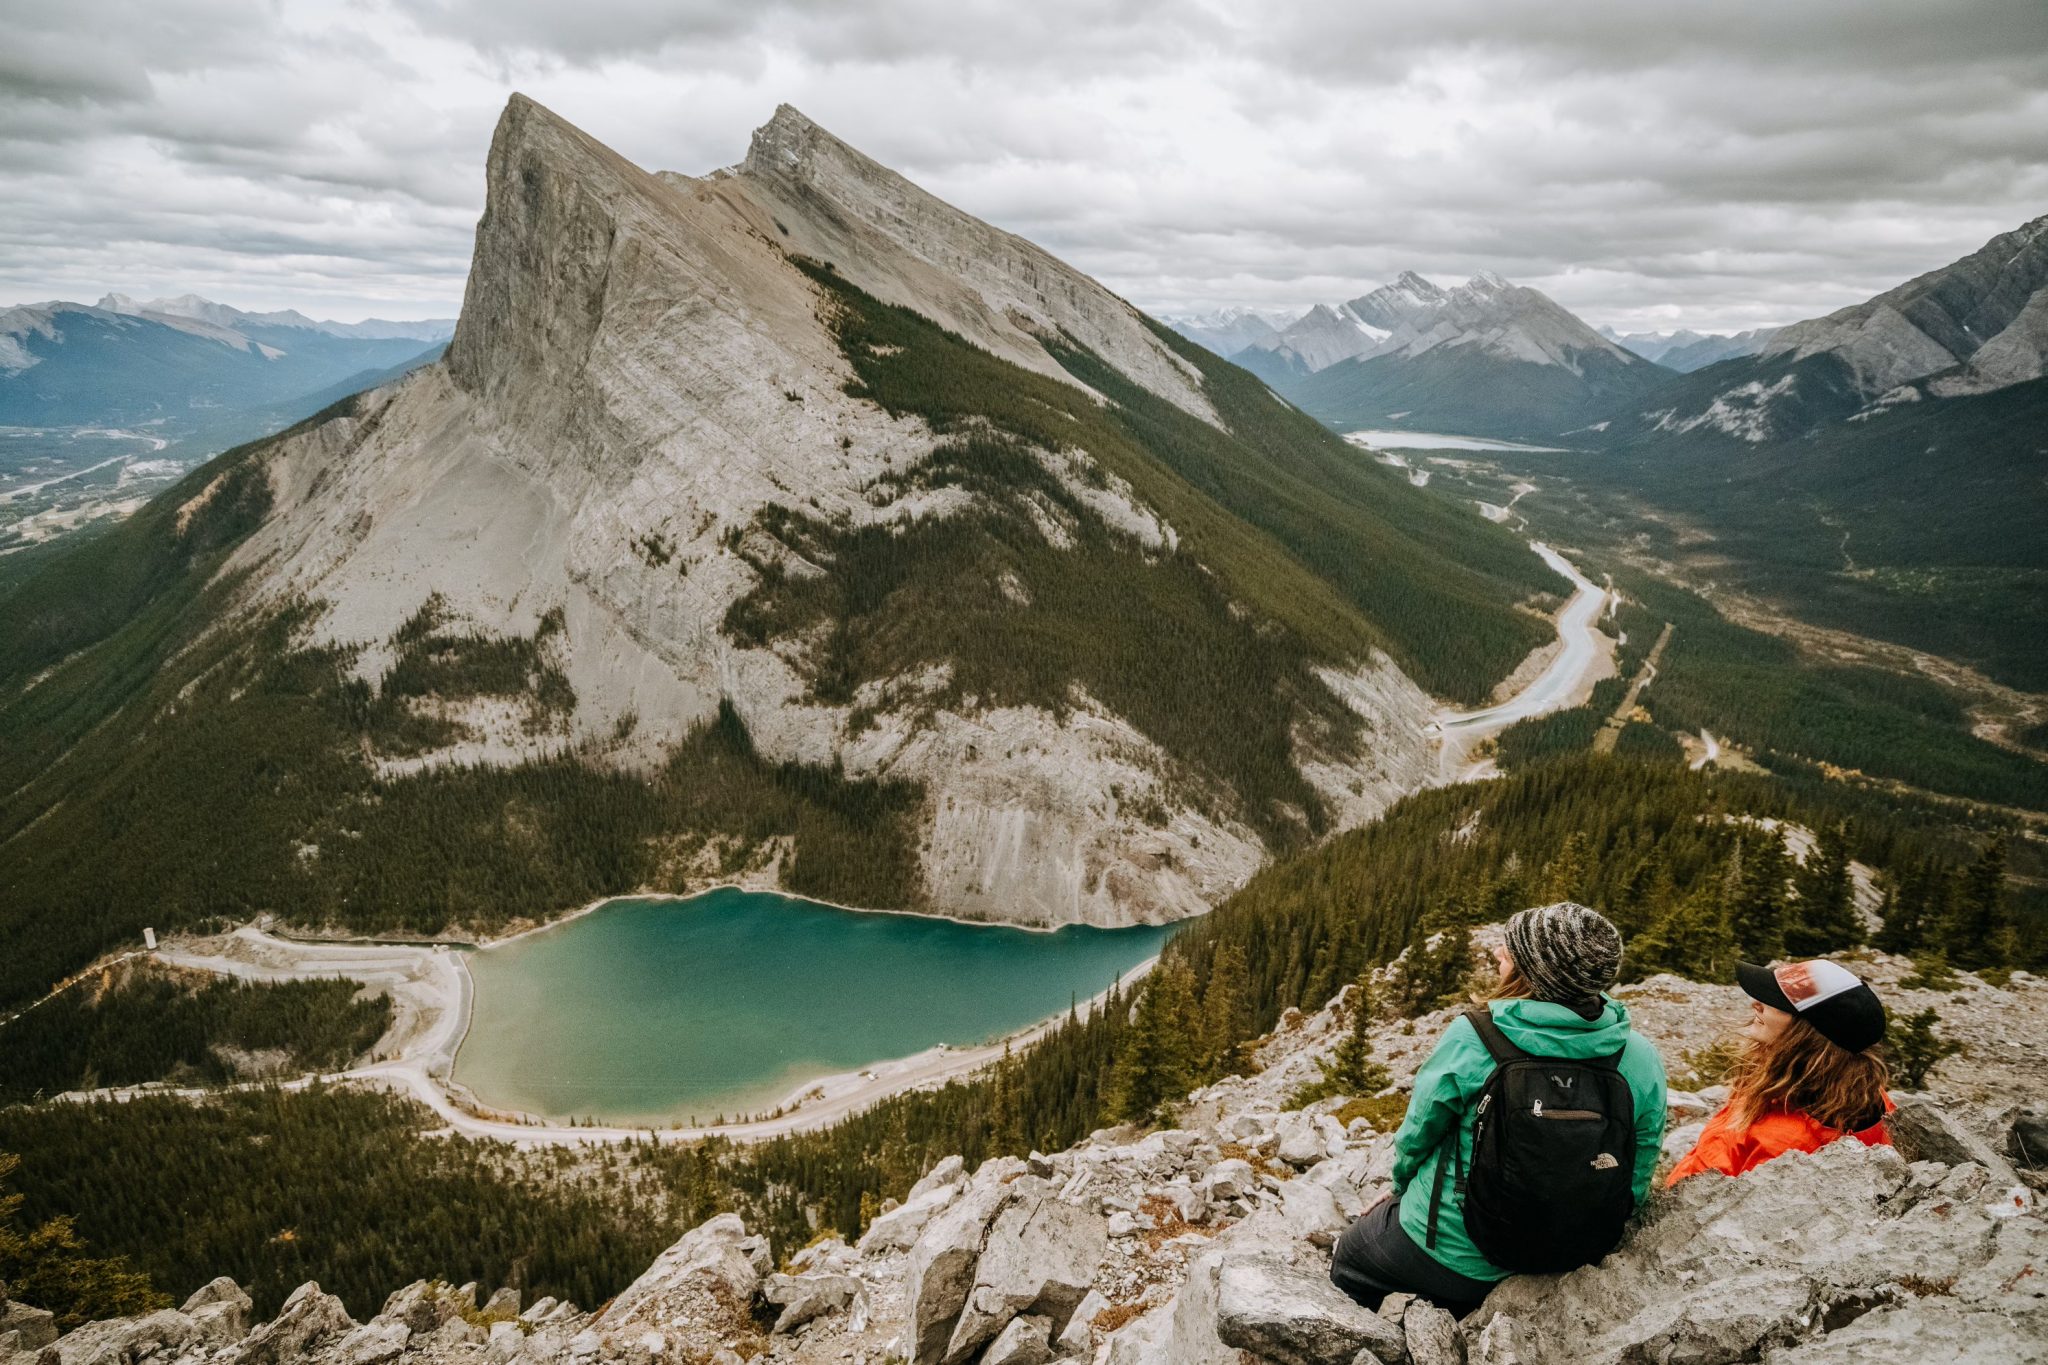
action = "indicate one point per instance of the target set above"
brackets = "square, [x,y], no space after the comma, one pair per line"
[658,1011]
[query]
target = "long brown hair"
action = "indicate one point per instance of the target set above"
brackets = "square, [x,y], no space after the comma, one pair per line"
[1511,985]
[1802,1072]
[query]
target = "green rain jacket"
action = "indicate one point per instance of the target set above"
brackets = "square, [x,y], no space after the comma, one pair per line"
[1448,1086]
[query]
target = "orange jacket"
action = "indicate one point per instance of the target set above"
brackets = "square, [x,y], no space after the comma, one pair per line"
[1724,1148]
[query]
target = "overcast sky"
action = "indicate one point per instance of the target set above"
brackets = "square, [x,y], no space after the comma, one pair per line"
[1717,164]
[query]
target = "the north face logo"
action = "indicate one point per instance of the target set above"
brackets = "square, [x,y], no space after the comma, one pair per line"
[1605,1162]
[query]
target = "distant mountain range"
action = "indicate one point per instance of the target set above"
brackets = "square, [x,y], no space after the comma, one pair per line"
[186,366]
[1486,358]
[221,315]
[1226,331]
[1686,351]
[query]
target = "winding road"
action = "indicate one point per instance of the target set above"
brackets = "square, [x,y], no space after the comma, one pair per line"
[1583,658]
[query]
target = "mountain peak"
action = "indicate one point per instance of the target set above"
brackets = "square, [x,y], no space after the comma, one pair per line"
[1486,282]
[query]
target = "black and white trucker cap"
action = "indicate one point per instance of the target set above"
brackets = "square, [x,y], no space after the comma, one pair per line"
[1825,994]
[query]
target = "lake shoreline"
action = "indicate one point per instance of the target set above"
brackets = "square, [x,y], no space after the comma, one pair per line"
[657,1018]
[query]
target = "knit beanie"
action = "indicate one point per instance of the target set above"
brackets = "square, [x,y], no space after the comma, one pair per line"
[1567,953]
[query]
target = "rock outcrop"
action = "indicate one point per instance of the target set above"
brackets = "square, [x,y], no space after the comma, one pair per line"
[1209,1245]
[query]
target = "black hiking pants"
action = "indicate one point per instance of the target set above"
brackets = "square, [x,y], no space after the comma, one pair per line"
[1375,1257]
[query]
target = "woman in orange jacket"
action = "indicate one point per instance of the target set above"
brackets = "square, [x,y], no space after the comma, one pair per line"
[1807,1075]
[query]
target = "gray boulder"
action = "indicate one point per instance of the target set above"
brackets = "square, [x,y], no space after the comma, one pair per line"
[1025,1341]
[1924,1131]
[1306,1139]
[1040,1257]
[1078,1337]
[309,1318]
[420,1307]
[506,1341]
[1310,1212]
[373,1343]
[1722,1270]
[897,1229]
[1227,1180]
[1295,1316]
[37,1326]
[118,1341]
[715,1262]
[220,1310]
[1431,1335]
[805,1298]
[941,1270]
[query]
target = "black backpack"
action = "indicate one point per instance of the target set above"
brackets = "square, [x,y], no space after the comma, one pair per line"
[1552,1182]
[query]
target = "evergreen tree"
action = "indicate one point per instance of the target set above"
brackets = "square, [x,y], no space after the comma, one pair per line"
[1916,908]
[1351,1069]
[1825,919]
[1434,972]
[1693,939]
[1226,1013]
[1979,923]
[1756,915]
[1156,1067]
[1006,1123]
[1637,906]
[1566,877]
[1916,1049]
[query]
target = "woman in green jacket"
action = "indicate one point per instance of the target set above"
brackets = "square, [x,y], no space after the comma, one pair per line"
[1555,969]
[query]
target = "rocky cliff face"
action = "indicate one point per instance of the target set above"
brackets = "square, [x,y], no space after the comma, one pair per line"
[1208,1244]
[640,370]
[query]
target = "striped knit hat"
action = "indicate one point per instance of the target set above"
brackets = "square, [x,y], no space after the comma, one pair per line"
[1567,953]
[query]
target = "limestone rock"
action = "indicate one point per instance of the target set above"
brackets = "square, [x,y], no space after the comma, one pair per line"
[1925,1131]
[220,1310]
[506,1341]
[942,1269]
[119,1341]
[1431,1335]
[1232,1179]
[1040,1257]
[1307,1139]
[37,1326]
[374,1343]
[1311,1212]
[1078,1337]
[805,1297]
[1271,1308]
[309,1317]
[1026,1341]
[900,1226]
[419,1307]
[1722,1270]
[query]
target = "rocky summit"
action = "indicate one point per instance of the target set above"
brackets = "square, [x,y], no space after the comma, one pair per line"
[1208,1244]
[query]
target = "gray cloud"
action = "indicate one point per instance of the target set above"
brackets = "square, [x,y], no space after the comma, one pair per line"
[1716,166]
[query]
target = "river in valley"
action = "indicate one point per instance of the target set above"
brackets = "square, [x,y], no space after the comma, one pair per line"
[661,1011]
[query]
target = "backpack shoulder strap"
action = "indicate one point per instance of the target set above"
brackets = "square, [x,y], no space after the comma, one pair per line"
[1497,1045]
